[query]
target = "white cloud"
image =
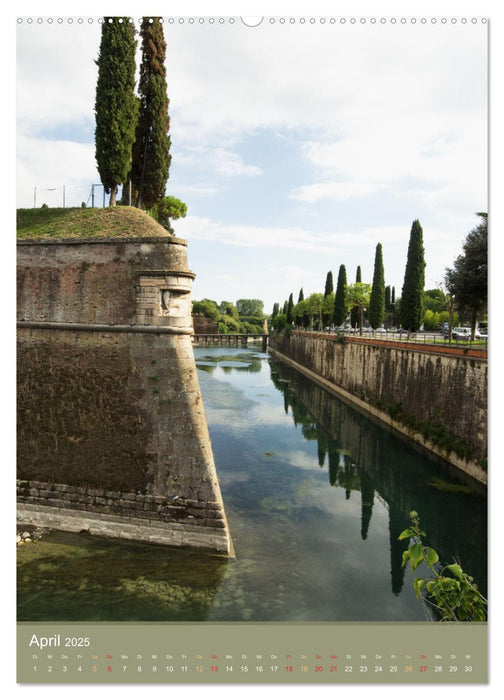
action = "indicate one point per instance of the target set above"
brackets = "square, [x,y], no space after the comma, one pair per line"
[338,191]
[231,164]
[220,161]
[204,229]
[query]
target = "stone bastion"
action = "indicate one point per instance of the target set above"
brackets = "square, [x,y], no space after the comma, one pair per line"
[112,435]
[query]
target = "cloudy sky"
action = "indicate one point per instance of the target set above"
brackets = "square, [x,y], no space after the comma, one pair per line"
[297,145]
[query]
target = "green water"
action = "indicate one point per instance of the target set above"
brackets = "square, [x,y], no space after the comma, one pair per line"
[316,495]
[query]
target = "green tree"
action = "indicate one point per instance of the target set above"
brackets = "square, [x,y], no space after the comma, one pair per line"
[314,308]
[151,150]
[168,209]
[229,309]
[377,299]
[328,289]
[250,307]
[290,306]
[414,278]
[116,106]
[340,309]
[435,300]
[208,307]
[355,316]
[357,299]
[298,316]
[467,281]
[329,285]
[276,310]
[327,309]
[279,323]
[431,320]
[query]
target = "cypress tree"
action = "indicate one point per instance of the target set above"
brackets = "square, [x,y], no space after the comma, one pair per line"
[116,106]
[290,306]
[151,150]
[298,320]
[377,299]
[411,311]
[355,314]
[340,310]
[329,287]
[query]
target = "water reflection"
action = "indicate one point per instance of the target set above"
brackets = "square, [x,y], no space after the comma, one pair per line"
[366,457]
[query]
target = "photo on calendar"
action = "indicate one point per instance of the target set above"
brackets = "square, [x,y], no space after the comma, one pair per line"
[252,336]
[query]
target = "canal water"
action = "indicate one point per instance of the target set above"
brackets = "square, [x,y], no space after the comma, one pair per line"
[316,495]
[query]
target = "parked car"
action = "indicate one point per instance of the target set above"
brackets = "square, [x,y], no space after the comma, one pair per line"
[481,334]
[381,330]
[461,333]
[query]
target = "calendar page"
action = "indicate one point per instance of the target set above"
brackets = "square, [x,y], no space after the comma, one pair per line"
[252,349]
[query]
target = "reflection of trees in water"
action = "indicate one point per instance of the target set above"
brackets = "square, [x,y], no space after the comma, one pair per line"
[230,363]
[362,456]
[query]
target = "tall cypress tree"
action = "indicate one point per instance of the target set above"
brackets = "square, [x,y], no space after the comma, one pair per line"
[116,106]
[340,310]
[328,289]
[151,150]
[298,320]
[411,310]
[290,306]
[377,300]
[355,312]
[329,286]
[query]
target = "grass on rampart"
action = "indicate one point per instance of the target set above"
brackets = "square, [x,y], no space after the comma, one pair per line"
[109,222]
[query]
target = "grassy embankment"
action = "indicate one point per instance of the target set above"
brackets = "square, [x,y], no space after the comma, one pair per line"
[109,222]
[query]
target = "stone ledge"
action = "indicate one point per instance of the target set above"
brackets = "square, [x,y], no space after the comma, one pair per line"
[213,539]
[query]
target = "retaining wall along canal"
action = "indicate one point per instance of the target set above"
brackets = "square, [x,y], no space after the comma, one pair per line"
[437,399]
[112,435]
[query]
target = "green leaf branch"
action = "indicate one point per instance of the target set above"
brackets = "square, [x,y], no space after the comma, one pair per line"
[450,591]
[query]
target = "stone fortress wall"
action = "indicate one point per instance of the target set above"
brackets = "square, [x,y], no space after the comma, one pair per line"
[112,435]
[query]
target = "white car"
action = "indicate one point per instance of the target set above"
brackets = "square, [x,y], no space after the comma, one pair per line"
[381,330]
[461,333]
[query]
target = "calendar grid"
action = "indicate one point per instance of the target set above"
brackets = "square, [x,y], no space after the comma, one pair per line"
[252,653]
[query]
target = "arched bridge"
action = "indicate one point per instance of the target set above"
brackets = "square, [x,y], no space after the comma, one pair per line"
[230,339]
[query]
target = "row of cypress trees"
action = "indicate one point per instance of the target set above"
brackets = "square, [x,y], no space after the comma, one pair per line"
[132,144]
[376,298]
